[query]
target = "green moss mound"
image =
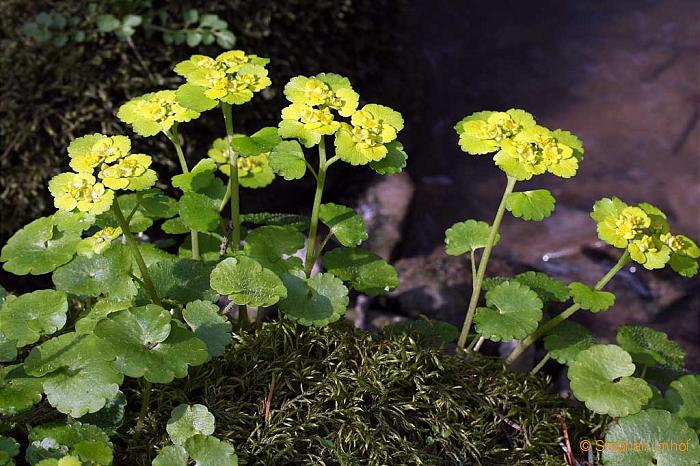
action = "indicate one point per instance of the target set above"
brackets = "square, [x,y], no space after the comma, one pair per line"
[344,396]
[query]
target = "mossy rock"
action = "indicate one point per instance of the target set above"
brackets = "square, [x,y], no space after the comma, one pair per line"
[344,396]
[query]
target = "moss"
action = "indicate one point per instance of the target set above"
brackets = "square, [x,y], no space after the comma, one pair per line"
[344,396]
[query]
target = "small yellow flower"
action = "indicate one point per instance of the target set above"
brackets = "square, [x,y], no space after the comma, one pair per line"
[630,222]
[152,113]
[89,152]
[79,190]
[498,126]
[130,173]
[99,242]
[313,119]
[536,150]
[324,90]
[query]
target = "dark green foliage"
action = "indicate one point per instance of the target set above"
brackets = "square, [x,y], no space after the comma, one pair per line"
[50,96]
[344,396]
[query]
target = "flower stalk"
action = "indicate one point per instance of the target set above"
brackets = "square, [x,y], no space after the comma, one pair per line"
[568,312]
[483,264]
[313,228]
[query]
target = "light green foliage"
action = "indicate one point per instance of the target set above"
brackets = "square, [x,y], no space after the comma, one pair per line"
[466,236]
[40,247]
[24,319]
[207,323]
[531,205]
[601,377]
[683,398]
[110,417]
[171,455]
[287,160]
[394,162]
[546,287]
[203,193]
[245,281]
[365,271]
[298,222]
[590,299]
[148,343]
[8,348]
[650,347]
[101,309]
[18,391]
[345,224]
[181,280]
[84,441]
[270,245]
[317,301]
[649,427]
[483,132]
[366,140]
[101,274]
[210,451]
[189,420]
[75,373]
[567,340]
[154,112]
[513,312]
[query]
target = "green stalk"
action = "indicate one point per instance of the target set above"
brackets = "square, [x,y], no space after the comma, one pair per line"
[541,364]
[175,139]
[233,190]
[134,247]
[313,228]
[479,279]
[145,401]
[568,312]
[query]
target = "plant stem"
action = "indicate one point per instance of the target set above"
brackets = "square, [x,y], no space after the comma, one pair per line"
[175,139]
[145,401]
[541,364]
[313,228]
[473,265]
[473,343]
[568,312]
[478,280]
[133,245]
[233,190]
[479,342]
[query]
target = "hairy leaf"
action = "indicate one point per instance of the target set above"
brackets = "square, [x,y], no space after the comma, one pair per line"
[567,340]
[209,325]
[650,347]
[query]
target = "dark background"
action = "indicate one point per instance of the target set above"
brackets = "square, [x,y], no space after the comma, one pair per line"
[623,76]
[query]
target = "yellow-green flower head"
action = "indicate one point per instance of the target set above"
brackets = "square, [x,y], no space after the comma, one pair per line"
[326,90]
[99,242]
[91,151]
[649,251]
[131,173]
[536,150]
[254,171]
[232,77]
[307,123]
[152,113]
[483,132]
[80,191]
[373,127]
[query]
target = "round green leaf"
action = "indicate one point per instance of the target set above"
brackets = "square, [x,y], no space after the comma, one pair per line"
[8,347]
[270,246]
[107,23]
[348,227]
[100,310]
[567,340]
[29,316]
[245,281]
[531,205]
[546,287]
[76,373]
[683,397]
[513,312]
[39,248]
[87,442]
[210,451]
[367,272]
[590,299]
[209,325]
[258,143]
[101,274]
[600,377]
[199,212]
[171,455]
[18,391]
[287,160]
[9,448]
[181,280]
[394,161]
[466,236]
[650,347]
[191,96]
[110,417]
[317,301]
[653,431]
[189,420]
[148,344]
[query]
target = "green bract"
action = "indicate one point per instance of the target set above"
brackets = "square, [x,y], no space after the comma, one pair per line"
[368,139]
[152,113]
[484,132]
[601,377]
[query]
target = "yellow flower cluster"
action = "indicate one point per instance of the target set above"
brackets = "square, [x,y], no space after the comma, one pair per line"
[109,158]
[152,113]
[99,242]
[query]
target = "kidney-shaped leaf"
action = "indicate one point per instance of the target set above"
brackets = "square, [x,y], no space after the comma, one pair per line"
[27,317]
[287,160]
[567,340]
[531,205]
[210,451]
[317,301]
[366,271]
[466,236]
[209,325]
[590,299]
[654,429]
[683,397]
[270,245]
[650,347]
[245,281]
[171,455]
[181,280]
[600,377]
[189,420]
[513,312]
[348,227]
[106,274]
[546,287]
[18,391]
[85,441]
